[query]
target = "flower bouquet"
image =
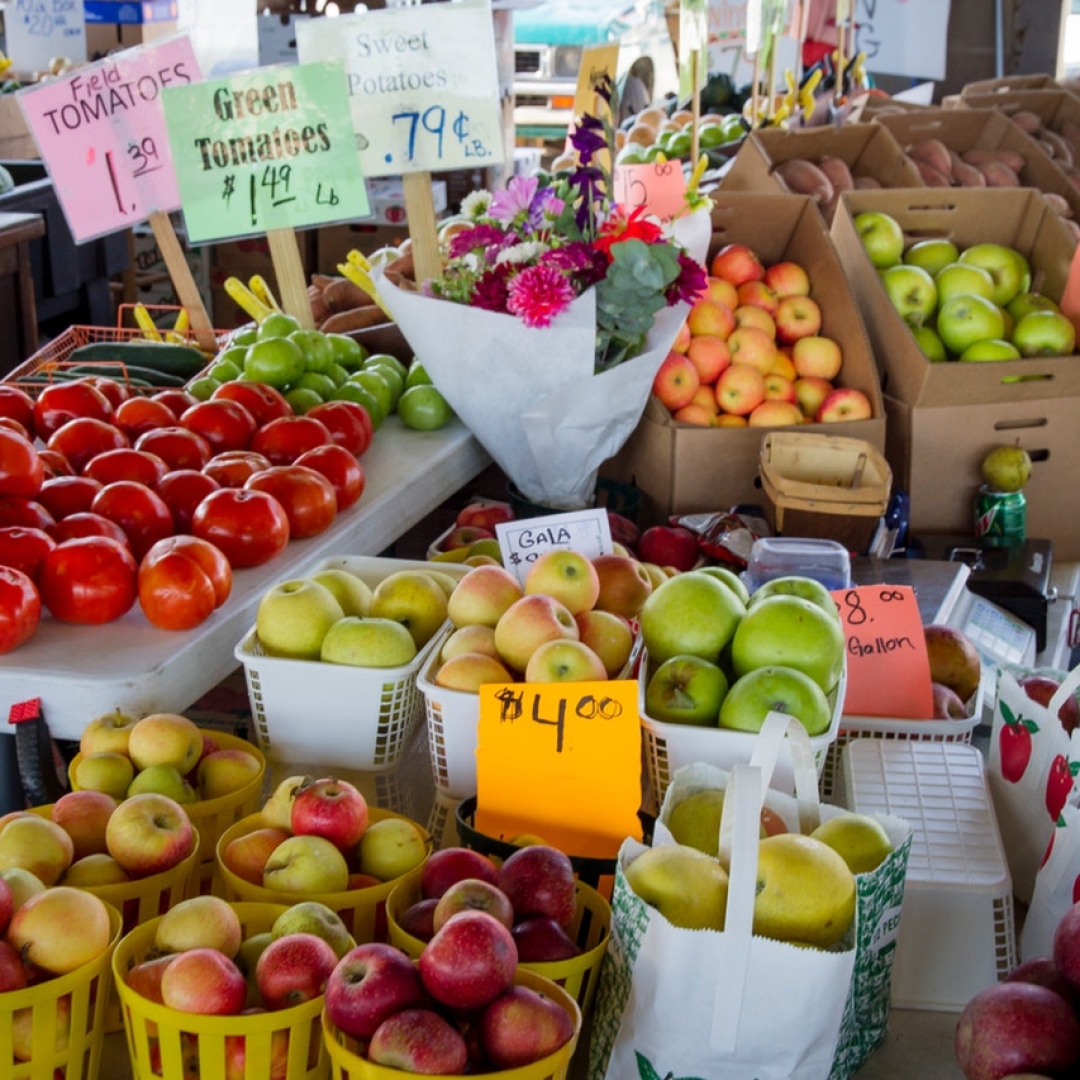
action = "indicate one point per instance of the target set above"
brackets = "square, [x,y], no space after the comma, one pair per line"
[547,324]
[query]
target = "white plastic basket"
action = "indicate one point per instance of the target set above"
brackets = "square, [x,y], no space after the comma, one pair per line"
[880,727]
[668,747]
[309,713]
[956,933]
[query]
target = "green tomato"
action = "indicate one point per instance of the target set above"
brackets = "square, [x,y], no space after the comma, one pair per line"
[348,352]
[679,144]
[225,370]
[423,408]
[302,398]
[386,360]
[318,352]
[323,385]
[275,361]
[233,353]
[710,135]
[351,391]
[392,377]
[417,376]
[277,324]
[244,336]
[337,373]
[202,387]
[377,386]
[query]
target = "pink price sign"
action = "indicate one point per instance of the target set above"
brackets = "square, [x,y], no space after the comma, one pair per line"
[101,132]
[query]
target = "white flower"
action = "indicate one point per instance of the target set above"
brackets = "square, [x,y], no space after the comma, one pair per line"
[475,205]
[526,252]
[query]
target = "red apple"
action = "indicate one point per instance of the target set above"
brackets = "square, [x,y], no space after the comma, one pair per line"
[418,919]
[484,515]
[469,962]
[947,703]
[370,983]
[1042,971]
[522,1026]
[145,977]
[333,809]
[541,940]
[83,815]
[13,974]
[203,981]
[472,894]
[419,1041]
[539,880]
[149,833]
[451,864]
[465,536]
[1041,688]
[1066,945]
[246,855]
[293,969]
[668,545]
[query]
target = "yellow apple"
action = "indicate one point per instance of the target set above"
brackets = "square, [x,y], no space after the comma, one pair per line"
[223,772]
[564,661]
[349,590]
[859,839]
[568,576]
[414,599]
[469,671]
[373,642]
[38,845]
[110,731]
[163,780]
[306,864]
[165,739]
[23,884]
[98,868]
[294,616]
[104,770]
[687,887]
[60,929]
[391,847]
[201,922]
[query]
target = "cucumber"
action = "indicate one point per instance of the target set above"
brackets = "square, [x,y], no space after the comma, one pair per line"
[182,361]
[122,371]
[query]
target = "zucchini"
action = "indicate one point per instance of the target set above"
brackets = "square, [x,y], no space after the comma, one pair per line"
[168,358]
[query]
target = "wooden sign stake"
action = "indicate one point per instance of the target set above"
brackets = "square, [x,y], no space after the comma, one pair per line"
[695,103]
[291,280]
[187,291]
[420,210]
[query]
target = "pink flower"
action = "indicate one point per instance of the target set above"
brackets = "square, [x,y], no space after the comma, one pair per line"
[538,294]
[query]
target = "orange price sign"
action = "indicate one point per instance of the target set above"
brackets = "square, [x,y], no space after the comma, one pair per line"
[561,761]
[659,186]
[888,668]
[1070,298]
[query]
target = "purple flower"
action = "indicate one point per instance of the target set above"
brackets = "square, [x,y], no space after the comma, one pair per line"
[585,263]
[690,282]
[479,238]
[538,294]
[588,138]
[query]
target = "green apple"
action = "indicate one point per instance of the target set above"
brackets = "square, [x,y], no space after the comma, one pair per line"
[165,780]
[1009,269]
[294,616]
[687,887]
[350,591]
[882,237]
[690,613]
[991,349]
[306,864]
[414,599]
[314,917]
[1044,333]
[775,689]
[730,579]
[930,344]
[911,292]
[391,847]
[686,690]
[371,642]
[1027,302]
[796,585]
[932,255]
[963,320]
[790,631]
[958,279]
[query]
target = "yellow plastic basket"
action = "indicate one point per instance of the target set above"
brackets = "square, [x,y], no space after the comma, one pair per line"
[578,975]
[86,992]
[363,910]
[346,1062]
[162,1040]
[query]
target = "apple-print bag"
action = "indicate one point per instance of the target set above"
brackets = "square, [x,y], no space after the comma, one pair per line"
[1057,886]
[1032,765]
[716,1005]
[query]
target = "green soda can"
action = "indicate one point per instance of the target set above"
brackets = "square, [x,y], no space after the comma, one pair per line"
[1000,516]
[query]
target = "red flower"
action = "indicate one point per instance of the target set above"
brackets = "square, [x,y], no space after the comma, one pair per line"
[619,227]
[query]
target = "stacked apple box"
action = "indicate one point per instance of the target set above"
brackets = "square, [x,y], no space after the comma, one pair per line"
[1009,84]
[682,468]
[942,418]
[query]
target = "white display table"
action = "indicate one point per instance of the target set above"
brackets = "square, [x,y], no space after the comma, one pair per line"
[79,672]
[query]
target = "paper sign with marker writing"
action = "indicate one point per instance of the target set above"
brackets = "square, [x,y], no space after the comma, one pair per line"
[423,84]
[596,62]
[523,541]
[37,30]
[659,186]
[101,132]
[561,761]
[267,149]
[888,668]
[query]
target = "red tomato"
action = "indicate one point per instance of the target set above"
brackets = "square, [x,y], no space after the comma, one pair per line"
[250,527]
[18,404]
[209,557]
[139,414]
[21,471]
[348,422]
[284,440]
[183,490]
[13,425]
[90,580]
[225,425]
[55,464]
[344,472]
[25,512]
[138,510]
[58,403]
[85,437]
[178,401]
[265,403]
[307,497]
[178,447]
[20,608]
[175,592]
[233,467]
[87,523]
[64,495]
[125,463]
[116,391]
[25,549]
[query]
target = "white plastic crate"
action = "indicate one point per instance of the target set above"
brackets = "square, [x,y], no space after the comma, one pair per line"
[668,747]
[310,713]
[956,932]
[881,727]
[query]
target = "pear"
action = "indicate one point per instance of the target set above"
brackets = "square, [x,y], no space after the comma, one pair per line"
[695,821]
[1007,468]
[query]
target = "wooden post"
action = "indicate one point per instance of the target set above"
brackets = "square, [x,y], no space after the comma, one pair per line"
[291,279]
[187,291]
[420,210]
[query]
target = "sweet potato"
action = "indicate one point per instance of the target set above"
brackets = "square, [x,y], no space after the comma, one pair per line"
[935,153]
[358,318]
[998,174]
[1072,227]
[867,183]
[931,176]
[805,178]
[1027,121]
[319,310]
[1014,160]
[402,265]
[1058,203]
[343,295]
[967,175]
[1062,151]
[836,169]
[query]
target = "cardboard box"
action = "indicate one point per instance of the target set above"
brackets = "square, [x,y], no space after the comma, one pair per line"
[334,242]
[1016,217]
[873,103]
[16,142]
[681,468]
[106,37]
[935,452]
[1058,109]
[868,150]
[1009,83]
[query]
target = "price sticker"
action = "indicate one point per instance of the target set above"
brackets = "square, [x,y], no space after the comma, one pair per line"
[101,132]
[888,671]
[267,149]
[561,761]
[423,84]
[523,541]
[659,186]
